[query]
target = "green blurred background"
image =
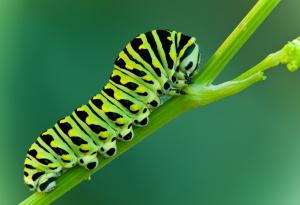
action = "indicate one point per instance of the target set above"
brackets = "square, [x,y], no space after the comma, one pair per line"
[54,55]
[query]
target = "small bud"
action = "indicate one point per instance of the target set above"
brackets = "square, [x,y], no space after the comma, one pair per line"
[291,55]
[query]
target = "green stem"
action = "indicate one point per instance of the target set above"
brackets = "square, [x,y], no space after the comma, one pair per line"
[270,61]
[199,95]
[178,105]
[289,55]
[235,41]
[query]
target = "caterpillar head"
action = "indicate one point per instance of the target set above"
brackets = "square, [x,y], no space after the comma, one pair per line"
[188,61]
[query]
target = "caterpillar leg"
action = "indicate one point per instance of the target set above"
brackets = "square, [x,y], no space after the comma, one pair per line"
[108,149]
[182,83]
[89,161]
[141,123]
[175,92]
[126,134]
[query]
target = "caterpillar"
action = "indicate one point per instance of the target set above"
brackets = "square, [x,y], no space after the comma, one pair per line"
[154,64]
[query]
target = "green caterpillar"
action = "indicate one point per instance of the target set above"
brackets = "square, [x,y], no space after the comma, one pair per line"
[152,65]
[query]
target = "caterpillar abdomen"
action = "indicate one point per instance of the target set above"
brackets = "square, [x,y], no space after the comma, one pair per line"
[153,64]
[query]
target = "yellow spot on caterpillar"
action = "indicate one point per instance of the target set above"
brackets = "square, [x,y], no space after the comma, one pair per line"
[66,157]
[62,121]
[173,55]
[142,47]
[104,134]
[80,109]
[39,156]
[105,108]
[88,120]
[134,107]
[128,66]
[117,96]
[140,90]
[178,38]
[139,36]
[156,64]
[45,133]
[147,78]
[53,144]
[124,79]
[84,147]
[181,53]
[96,96]
[71,133]
[120,121]
[52,165]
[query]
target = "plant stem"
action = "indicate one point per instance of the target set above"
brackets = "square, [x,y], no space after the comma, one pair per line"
[235,41]
[175,106]
[270,61]
[289,55]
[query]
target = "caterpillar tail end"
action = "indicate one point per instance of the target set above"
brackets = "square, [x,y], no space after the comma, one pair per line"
[47,182]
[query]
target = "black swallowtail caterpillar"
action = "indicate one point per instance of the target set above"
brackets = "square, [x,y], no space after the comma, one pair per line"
[152,65]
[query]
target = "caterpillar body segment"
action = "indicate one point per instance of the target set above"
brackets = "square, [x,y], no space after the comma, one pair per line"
[134,108]
[153,65]
[126,64]
[140,92]
[56,146]
[79,141]
[115,116]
